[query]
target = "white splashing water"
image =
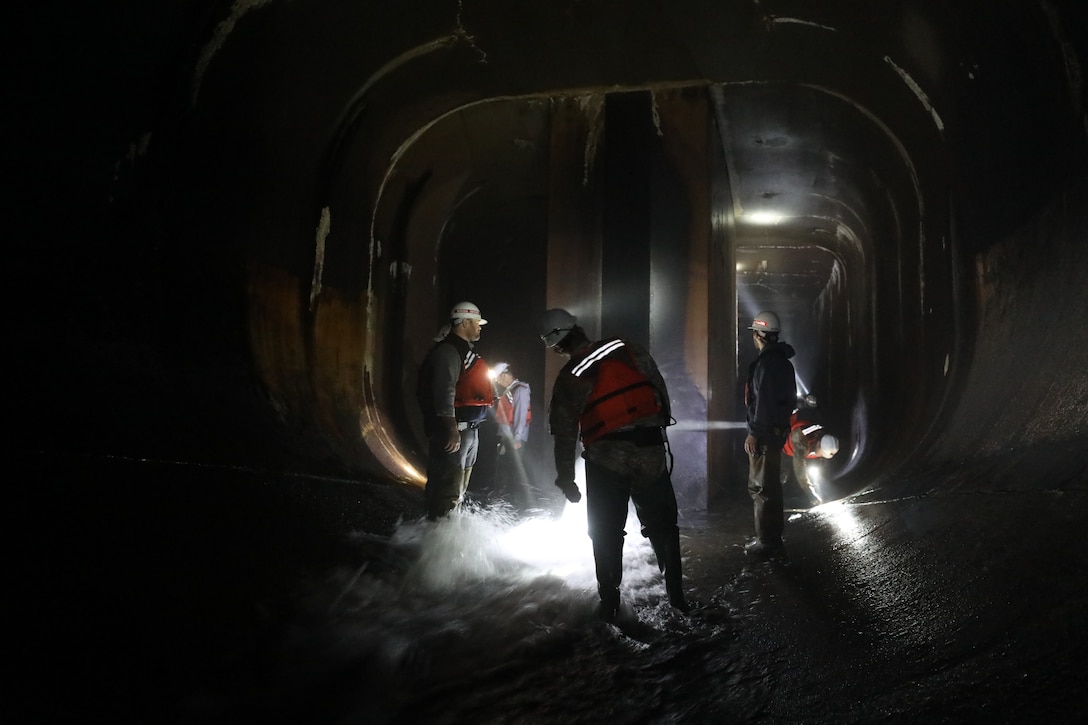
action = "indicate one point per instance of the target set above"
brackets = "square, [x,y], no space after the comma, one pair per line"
[479,545]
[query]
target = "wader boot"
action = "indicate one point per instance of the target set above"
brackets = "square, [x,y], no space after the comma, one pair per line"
[608,558]
[667,549]
[462,487]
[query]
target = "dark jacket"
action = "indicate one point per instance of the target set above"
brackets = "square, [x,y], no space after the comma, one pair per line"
[437,382]
[771,394]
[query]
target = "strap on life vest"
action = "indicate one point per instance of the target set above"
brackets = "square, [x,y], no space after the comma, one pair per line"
[504,406]
[621,394]
[473,394]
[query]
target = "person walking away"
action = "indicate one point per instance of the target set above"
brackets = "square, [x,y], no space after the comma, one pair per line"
[513,415]
[770,395]
[808,440]
[611,396]
[454,392]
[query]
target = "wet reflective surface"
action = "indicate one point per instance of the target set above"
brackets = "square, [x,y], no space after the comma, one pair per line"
[170,609]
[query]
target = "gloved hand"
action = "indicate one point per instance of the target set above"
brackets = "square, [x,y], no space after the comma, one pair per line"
[570,490]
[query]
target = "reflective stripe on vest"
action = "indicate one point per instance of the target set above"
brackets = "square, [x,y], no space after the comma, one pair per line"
[808,430]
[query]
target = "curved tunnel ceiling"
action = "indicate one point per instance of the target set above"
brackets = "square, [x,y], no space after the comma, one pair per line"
[820,196]
[341,173]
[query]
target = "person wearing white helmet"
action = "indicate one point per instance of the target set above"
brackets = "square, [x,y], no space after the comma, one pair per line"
[808,440]
[513,411]
[611,395]
[770,395]
[513,416]
[454,392]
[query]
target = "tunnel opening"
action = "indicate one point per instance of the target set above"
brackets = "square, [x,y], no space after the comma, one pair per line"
[599,200]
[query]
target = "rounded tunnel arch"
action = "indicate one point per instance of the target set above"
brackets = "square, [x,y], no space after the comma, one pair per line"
[353,187]
[431,198]
[841,255]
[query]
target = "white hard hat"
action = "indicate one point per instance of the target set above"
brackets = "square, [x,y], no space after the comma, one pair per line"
[499,368]
[829,445]
[466,311]
[555,325]
[766,321]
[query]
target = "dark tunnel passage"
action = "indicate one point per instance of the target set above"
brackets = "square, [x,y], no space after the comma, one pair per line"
[237,226]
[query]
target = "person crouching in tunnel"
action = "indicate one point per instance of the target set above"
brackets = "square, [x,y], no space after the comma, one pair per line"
[611,394]
[808,440]
[769,394]
[454,393]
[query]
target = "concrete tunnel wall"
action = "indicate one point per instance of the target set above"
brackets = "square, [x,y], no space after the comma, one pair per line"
[220,279]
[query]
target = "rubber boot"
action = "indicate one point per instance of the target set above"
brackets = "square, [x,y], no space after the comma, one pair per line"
[462,487]
[608,558]
[667,549]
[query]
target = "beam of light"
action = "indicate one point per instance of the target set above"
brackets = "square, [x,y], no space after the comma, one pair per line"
[802,387]
[762,218]
[701,425]
[816,477]
[559,546]
[746,306]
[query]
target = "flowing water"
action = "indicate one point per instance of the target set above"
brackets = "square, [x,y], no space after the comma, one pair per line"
[199,596]
[488,617]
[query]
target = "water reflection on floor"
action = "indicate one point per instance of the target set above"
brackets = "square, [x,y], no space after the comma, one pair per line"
[170,593]
[488,617]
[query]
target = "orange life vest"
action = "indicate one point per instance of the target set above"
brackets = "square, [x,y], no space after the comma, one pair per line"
[811,433]
[473,394]
[504,407]
[621,394]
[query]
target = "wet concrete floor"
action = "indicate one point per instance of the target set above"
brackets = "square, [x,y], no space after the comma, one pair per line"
[173,593]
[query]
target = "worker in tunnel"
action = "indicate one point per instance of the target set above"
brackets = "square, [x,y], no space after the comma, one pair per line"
[513,416]
[770,395]
[611,395]
[454,393]
[808,440]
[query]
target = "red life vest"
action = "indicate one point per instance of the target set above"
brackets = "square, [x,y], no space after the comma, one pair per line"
[504,407]
[621,394]
[811,432]
[473,390]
